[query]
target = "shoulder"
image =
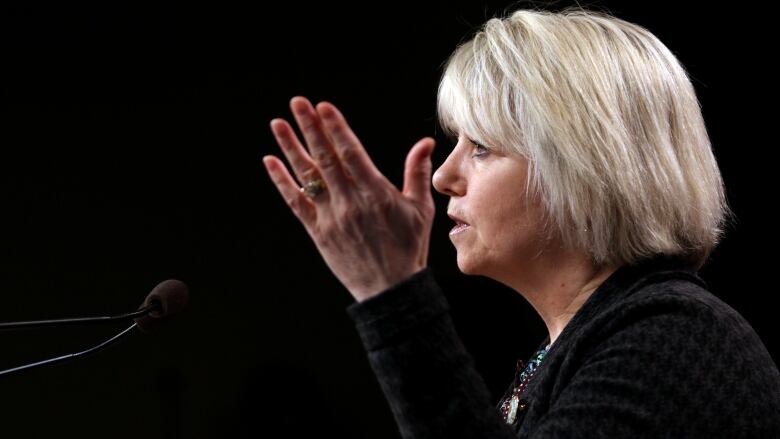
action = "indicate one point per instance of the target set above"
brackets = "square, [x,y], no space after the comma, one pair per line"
[673,295]
[663,312]
[671,330]
[669,321]
[661,353]
[674,305]
[662,296]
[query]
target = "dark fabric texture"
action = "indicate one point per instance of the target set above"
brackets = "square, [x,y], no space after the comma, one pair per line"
[651,354]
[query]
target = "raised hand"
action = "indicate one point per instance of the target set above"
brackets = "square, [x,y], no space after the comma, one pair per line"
[370,234]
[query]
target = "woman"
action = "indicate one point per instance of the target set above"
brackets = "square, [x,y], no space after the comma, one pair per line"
[584,179]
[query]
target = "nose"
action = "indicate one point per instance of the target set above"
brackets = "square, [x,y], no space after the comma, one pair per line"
[448,179]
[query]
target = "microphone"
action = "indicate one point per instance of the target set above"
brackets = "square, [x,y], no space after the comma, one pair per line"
[168,297]
[165,299]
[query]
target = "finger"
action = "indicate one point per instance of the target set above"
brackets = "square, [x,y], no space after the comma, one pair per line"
[353,155]
[320,147]
[303,166]
[300,161]
[300,204]
[417,171]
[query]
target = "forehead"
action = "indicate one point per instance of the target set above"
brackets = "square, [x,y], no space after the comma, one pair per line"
[454,108]
[477,116]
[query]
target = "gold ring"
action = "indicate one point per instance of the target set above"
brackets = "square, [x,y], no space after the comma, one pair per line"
[313,188]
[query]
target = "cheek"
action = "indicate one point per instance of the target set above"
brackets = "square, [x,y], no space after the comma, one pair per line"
[510,228]
[503,212]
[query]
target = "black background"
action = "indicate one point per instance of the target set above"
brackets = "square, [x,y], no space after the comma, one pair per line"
[131,142]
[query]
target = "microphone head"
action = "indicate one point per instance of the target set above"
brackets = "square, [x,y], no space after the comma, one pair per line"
[170,296]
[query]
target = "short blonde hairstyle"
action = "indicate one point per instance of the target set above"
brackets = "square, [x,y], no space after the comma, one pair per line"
[610,124]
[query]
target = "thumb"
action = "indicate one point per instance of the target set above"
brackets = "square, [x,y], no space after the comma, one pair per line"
[417,170]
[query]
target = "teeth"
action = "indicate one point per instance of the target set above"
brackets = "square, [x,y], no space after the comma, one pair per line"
[459,227]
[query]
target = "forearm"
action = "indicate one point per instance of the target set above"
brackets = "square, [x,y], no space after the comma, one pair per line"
[425,372]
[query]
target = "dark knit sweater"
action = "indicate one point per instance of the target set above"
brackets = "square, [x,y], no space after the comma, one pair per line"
[651,354]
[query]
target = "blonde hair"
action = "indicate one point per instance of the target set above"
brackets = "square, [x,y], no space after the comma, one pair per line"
[609,122]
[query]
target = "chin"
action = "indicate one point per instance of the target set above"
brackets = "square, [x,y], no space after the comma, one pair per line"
[468,267]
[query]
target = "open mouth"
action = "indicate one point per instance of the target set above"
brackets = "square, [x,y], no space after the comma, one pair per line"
[459,227]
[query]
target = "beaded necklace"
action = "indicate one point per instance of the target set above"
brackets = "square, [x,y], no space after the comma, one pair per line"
[513,403]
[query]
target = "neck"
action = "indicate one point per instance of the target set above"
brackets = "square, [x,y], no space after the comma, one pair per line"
[559,286]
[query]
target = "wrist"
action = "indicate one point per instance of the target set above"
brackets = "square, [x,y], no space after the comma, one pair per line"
[383,284]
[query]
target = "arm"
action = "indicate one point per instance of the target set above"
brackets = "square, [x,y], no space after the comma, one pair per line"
[375,238]
[423,368]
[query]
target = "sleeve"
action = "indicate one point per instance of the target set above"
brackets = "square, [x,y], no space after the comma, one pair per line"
[425,372]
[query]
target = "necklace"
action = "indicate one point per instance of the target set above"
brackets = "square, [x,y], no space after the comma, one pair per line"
[513,403]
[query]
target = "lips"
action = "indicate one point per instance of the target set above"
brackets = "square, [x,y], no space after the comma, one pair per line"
[460,225]
[459,228]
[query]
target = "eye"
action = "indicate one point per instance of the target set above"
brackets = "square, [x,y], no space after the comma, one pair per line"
[479,150]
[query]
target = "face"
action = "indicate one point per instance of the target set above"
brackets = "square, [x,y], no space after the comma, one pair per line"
[497,230]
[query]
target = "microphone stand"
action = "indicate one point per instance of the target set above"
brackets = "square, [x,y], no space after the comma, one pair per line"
[79,320]
[72,321]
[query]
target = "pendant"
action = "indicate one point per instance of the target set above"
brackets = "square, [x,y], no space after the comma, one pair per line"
[513,404]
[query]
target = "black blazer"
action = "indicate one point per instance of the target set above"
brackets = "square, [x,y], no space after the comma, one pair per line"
[650,354]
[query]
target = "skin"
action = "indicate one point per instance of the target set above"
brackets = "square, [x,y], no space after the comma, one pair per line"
[503,238]
[372,236]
